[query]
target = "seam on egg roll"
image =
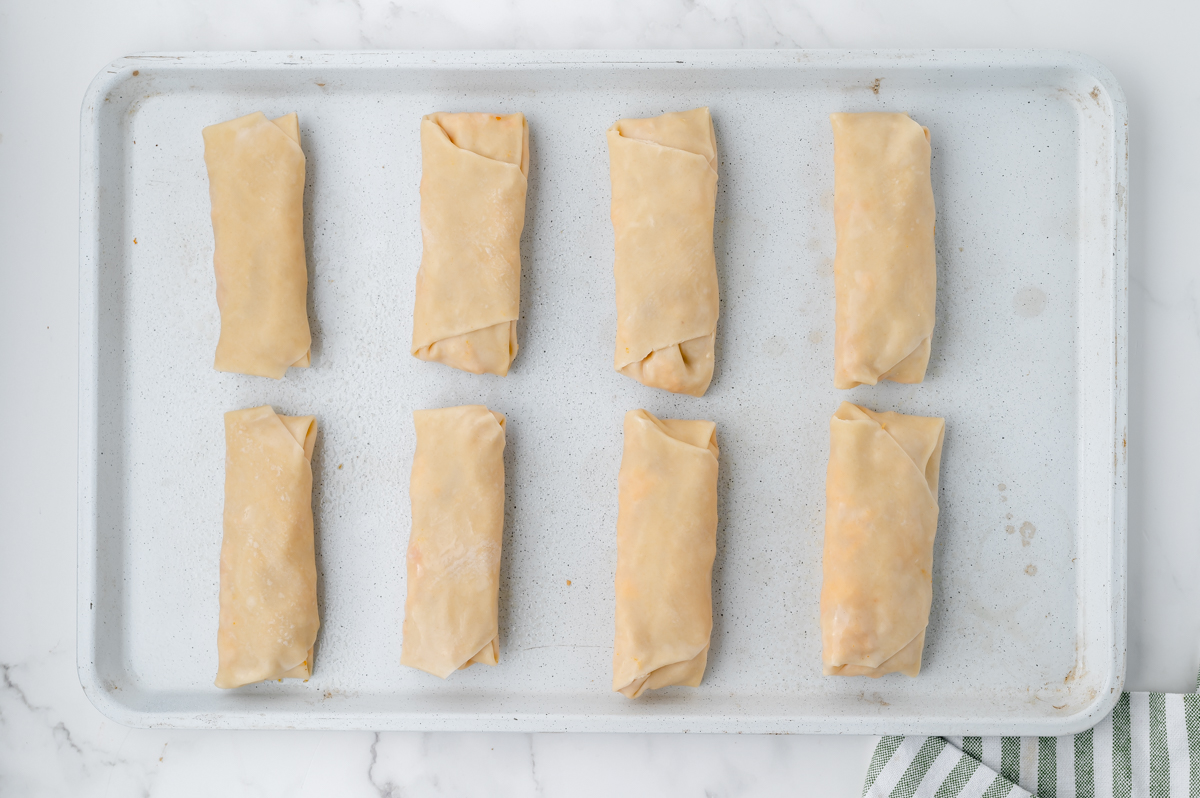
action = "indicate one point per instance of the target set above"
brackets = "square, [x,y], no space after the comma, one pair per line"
[268,596]
[666,543]
[664,176]
[685,367]
[453,561]
[486,351]
[880,523]
[885,269]
[473,186]
[256,174]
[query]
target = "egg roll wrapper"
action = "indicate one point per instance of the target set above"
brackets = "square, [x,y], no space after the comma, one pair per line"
[881,515]
[256,188]
[885,269]
[666,543]
[268,597]
[474,169]
[664,194]
[457,492]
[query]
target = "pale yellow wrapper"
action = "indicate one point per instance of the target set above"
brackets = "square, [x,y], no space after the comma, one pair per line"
[268,618]
[664,197]
[881,513]
[666,543]
[885,269]
[474,169]
[457,492]
[256,187]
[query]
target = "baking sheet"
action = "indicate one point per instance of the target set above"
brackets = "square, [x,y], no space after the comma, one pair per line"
[1027,631]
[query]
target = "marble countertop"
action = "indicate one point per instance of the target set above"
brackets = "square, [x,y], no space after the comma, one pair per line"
[53,742]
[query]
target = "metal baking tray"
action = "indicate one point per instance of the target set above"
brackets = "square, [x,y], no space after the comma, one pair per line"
[1027,633]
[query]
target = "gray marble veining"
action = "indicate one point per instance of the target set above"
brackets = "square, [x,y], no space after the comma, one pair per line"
[48,55]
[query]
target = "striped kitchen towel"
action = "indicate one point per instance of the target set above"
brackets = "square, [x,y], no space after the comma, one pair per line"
[1149,747]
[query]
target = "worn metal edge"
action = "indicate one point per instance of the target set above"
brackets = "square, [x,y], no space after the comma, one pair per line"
[88,408]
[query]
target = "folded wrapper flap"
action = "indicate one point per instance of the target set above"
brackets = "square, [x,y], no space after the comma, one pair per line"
[696,434]
[690,131]
[881,518]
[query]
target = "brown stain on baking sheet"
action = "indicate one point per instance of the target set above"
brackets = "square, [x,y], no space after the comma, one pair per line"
[875,86]
[1072,674]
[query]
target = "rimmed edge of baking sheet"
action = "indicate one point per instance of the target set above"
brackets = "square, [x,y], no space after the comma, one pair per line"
[113,707]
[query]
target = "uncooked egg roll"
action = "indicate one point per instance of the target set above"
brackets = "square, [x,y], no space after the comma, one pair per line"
[473,179]
[881,511]
[256,186]
[268,619]
[885,270]
[457,494]
[666,542]
[664,197]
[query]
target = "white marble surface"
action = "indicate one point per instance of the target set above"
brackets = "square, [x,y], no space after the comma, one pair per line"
[52,742]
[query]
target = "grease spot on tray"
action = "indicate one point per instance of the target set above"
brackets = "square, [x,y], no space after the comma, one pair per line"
[775,346]
[1029,302]
[1031,570]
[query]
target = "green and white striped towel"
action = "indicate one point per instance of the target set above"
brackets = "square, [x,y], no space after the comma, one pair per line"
[1148,747]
